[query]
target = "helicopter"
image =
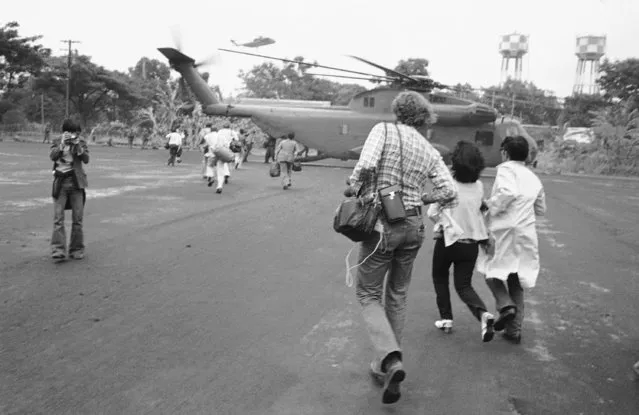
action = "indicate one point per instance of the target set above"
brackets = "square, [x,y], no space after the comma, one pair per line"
[339,132]
[255,43]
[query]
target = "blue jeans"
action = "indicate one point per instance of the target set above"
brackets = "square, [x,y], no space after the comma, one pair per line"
[58,239]
[396,255]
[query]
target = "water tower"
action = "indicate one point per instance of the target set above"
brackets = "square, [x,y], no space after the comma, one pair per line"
[589,51]
[512,48]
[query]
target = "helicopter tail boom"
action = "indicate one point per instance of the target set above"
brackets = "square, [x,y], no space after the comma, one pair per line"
[185,65]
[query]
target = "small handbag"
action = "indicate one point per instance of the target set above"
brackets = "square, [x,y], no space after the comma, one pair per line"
[391,196]
[224,154]
[297,166]
[275,169]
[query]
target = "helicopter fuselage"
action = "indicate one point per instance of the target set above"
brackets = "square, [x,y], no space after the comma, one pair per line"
[340,132]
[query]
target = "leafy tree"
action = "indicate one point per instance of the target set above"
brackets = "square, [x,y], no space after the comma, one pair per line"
[150,69]
[96,93]
[620,80]
[413,66]
[22,57]
[531,103]
[14,119]
[293,82]
[579,110]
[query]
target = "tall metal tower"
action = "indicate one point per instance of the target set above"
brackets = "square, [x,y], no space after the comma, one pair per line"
[512,47]
[589,51]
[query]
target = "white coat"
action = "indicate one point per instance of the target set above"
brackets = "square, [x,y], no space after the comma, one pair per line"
[517,197]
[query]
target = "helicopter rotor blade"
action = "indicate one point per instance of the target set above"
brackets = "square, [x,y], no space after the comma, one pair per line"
[177,37]
[348,77]
[389,72]
[314,65]
[211,60]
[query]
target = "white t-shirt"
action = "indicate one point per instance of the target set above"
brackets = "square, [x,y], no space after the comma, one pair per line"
[174,138]
[211,139]
[225,136]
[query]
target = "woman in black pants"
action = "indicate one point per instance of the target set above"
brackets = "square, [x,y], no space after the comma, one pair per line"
[458,233]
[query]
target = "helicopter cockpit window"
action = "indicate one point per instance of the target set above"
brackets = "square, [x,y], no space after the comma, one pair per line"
[484,138]
[369,101]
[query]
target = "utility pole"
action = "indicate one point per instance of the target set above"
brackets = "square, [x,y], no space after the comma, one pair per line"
[69,42]
[42,108]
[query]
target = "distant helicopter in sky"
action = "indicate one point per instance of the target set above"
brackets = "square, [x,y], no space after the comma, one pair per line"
[340,131]
[255,43]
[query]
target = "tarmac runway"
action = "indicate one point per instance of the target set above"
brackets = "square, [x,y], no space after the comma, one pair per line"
[191,302]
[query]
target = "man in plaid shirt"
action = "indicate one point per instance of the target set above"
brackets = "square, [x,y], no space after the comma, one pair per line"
[378,167]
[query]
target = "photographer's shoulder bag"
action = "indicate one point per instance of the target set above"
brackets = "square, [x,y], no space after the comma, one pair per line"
[391,196]
[355,218]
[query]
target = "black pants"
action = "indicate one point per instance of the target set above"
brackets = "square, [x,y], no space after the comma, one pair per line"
[463,256]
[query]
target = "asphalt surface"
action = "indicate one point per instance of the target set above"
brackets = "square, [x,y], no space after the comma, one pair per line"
[190,302]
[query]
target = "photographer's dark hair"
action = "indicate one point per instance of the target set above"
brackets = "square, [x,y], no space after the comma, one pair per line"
[468,162]
[516,147]
[70,126]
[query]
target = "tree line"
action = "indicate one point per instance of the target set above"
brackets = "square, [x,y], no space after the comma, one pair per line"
[33,85]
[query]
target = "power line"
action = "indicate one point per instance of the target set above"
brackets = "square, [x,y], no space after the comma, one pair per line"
[69,42]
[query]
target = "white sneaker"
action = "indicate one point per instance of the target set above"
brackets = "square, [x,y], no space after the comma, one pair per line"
[445,325]
[487,329]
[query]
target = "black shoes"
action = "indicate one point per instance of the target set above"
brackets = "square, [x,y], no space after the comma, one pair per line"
[506,315]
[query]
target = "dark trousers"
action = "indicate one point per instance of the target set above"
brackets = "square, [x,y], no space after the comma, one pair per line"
[511,296]
[249,147]
[463,257]
[173,152]
[270,154]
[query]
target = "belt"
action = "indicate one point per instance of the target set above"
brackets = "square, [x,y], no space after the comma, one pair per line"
[416,211]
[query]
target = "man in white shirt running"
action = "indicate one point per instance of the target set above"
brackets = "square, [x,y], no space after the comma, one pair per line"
[202,144]
[175,141]
[225,136]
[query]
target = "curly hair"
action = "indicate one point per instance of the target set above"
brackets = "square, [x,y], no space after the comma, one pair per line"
[412,108]
[468,162]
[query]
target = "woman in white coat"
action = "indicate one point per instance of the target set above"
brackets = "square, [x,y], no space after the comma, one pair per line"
[517,197]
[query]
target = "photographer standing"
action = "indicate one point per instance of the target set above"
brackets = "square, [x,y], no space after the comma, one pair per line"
[68,153]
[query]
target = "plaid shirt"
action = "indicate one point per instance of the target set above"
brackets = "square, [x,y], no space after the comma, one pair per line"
[422,162]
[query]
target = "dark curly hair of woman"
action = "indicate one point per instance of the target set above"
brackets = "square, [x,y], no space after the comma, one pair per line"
[468,162]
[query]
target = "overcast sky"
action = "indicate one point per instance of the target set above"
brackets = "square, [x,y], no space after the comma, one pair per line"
[459,37]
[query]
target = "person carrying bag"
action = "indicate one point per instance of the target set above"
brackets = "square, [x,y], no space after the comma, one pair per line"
[403,162]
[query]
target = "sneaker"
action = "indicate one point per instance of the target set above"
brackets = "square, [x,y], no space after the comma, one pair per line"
[58,256]
[505,316]
[226,179]
[487,329]
[445,325]
[218,190]
[76,255]
[210,183]
[512,338]
[394,376]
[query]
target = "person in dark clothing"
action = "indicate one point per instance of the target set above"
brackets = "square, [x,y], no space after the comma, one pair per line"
[68,153]
[269,145]
[461,248]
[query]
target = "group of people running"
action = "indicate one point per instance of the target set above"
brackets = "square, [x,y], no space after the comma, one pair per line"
[493,234]
[225,146]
